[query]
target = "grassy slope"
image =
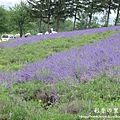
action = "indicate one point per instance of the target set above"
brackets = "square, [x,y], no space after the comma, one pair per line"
[81,98]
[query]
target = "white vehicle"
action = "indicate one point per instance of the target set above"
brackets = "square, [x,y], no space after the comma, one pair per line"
[39,33]
[6,37]
[27,34]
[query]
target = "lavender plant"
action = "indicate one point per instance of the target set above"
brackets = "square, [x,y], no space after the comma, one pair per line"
[64,99]
[39,50]
[75,65]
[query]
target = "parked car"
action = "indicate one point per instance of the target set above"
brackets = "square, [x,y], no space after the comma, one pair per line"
[6,37]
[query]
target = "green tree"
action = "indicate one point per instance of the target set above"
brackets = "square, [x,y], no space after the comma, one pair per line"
[108,6]
[91,7]
[118,11]
[95,23]
[67,25]
[82,21]
[42,9]
[35,9]
[77,9]
[103,19]
[19,16]
[59,13]
[73,8]
[3,20]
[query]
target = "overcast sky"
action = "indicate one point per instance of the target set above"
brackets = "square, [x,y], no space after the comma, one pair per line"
[12,2]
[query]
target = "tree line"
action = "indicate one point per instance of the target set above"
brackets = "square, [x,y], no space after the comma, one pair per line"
[41,15]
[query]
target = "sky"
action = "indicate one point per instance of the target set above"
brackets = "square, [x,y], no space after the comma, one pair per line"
[13,2]
[10,1]
[112,17]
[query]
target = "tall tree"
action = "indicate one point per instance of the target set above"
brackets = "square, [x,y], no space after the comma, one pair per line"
[73,8]
[19,16]
[88,7]
[35,9]
[82,21]
[117,3]
[48,11]
[43,9]
[3,20]
[59,12]
[91,7]
[103,19]
[77,9]
[108,6]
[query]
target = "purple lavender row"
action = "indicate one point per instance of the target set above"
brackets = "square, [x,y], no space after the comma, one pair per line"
[75,65]
[22,41]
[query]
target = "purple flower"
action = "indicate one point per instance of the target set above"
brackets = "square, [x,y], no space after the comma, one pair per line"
[31,39]
[74,65]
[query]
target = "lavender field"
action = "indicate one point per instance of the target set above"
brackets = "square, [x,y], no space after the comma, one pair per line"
[19,42]
[78,77]
[81,64]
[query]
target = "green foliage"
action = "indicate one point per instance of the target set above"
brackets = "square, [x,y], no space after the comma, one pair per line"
[59,11]
[66,26]
[19,16]
[3,20]
[82,22]
[23,17]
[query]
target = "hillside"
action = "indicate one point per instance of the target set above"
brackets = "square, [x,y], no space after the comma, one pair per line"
[61,76]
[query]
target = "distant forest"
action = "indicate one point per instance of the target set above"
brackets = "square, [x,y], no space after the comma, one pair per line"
[36,16]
